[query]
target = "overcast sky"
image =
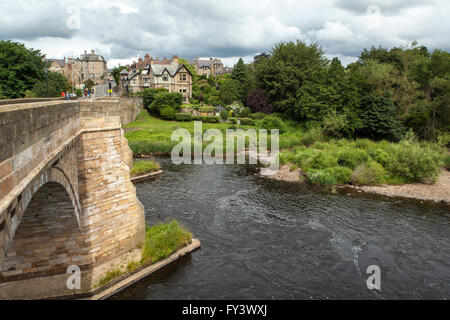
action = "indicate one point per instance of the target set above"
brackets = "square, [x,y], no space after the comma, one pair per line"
[123,30]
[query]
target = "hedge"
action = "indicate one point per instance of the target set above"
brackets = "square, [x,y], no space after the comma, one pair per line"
[206,119]
[183,117]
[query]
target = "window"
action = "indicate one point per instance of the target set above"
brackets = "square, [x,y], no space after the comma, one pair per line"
[146,80]
[183,77]
[183,90]
[165,77]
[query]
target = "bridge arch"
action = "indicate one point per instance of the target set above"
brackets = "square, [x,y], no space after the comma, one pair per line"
[48,238]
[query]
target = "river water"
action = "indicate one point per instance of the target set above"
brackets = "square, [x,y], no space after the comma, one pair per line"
[274,240]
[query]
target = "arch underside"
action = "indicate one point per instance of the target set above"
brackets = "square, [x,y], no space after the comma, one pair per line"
[43,235]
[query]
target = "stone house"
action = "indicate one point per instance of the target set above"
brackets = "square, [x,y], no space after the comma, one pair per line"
[168,74]
[208,68]
[87,66]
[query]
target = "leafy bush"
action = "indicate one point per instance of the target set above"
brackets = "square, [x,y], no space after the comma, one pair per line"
[321,177]
[245,113]
[164,99]
[224,114]
[352,157]
[342,175]
[186,117]
[207,119]
[168,113]
[323,160]
[233,120]
[447,162]
[272,122]
[258,116]
[370,173]
[247,122]
[206,109]
[413,162]
[380,156]
[312,136]
[258,102]
[149,96]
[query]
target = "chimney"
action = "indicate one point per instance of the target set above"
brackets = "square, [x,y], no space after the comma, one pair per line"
[210,59]
[85,52]
[92,51]
[175,59]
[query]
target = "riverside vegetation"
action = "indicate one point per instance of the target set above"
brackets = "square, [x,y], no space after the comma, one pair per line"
[161,241]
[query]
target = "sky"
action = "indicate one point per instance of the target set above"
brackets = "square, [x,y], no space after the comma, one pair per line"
[122,31]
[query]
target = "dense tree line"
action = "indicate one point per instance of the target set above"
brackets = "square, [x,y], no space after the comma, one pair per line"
[22,73]
[383,95]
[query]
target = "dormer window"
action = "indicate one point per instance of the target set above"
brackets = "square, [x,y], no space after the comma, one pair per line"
[165,77]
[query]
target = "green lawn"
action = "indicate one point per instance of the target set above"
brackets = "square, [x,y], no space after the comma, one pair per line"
[154,135]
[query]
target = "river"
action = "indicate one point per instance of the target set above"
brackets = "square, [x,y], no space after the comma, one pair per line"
[274,240]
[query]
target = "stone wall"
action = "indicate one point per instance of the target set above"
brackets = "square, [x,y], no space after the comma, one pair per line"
[126,109]
[66,195]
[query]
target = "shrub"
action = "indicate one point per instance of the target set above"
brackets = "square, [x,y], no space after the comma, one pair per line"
[224,115]
[323,160]
[352,157]
[245,113]
[413,162]
[369,173]
[342,175]
[380,156]
[206,109]
[447,162]
[258,102]
[164,99]
[312,136]
[272,122]
[168,113]
[149,96]
[233,120]
[206,119]
[321,177]
[183,117]
[258,116]
[79,92]
[247,122]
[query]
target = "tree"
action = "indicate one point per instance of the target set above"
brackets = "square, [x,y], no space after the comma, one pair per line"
[239,74]
[379,121]
[20,69]
[229,91]
[258,102]
[116,73]
[164,99]
[57,83]
[288,68]
[89,84]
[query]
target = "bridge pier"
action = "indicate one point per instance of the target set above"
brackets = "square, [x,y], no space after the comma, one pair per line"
[66,198]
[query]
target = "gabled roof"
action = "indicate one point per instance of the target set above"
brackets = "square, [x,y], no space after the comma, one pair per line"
[61,62]
[158,69]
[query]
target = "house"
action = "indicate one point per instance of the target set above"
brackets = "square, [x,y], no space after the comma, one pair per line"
[211,67]
[87,66]
[165,73]
[57,65]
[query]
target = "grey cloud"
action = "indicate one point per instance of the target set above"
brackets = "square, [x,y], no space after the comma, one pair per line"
[387,7]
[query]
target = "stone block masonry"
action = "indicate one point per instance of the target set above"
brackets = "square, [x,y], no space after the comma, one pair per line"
[65,194]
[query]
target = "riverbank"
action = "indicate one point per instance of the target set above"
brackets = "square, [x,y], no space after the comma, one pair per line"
[438,192]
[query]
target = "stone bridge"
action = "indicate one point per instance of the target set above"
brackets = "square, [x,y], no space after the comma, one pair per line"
[65,194]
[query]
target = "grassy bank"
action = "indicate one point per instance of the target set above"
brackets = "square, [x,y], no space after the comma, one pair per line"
[325,161]
[143,167]
[161,241]
[154,135]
